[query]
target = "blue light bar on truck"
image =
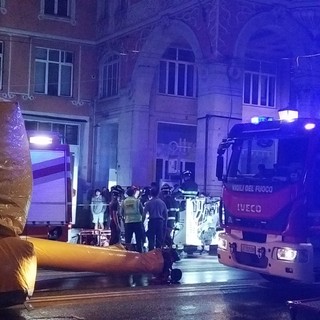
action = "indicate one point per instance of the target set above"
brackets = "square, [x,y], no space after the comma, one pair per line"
[256,120]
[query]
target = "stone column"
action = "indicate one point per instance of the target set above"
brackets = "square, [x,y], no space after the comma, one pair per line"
[219,108]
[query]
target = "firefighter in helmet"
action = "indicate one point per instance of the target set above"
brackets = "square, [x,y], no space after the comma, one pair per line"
[173,212]
[189,188]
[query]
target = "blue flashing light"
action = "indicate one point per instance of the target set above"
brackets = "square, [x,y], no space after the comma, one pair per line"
[256,120]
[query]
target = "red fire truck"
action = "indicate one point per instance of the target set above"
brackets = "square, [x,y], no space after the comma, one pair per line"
[50,213]
[270,203]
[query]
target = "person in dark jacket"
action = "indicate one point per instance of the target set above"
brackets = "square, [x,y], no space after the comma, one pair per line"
[173,212]
[115,218]
[158,215]
[107,195]
[189,188]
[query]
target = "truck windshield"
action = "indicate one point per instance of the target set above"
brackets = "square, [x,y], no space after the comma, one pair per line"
[258,158]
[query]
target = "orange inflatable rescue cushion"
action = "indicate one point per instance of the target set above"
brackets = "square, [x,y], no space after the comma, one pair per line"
[18,271]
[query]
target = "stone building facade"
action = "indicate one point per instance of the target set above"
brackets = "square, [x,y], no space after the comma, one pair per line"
[152,86]
[189,70]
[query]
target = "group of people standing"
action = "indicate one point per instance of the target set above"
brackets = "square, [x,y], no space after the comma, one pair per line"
[132,207]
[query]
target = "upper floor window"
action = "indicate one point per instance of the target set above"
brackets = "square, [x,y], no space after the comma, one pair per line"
[59,8]
[1,63]
[110,77]
[3,9]
[259,86]
[53,72]
[103,9]
[177,73]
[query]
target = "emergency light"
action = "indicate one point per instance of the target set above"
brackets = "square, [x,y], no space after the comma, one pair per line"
[40,140]
[43,138]
[256,120]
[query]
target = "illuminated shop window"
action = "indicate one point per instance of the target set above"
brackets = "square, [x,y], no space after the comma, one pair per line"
[177,73]
[53,72]
[259,86]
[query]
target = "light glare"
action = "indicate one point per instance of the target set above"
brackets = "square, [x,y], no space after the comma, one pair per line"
[41,140]
[286,254]
[309,126]
[222,243]
[288,115]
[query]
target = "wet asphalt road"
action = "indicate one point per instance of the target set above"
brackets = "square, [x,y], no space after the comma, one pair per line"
[206,291]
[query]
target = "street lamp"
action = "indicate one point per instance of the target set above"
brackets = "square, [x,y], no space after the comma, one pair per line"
[288,114]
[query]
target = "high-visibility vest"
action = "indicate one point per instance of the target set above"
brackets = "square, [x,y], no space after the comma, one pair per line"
[131,210]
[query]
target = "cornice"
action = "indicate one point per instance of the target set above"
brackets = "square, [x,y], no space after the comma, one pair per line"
[28,34]
[166,8]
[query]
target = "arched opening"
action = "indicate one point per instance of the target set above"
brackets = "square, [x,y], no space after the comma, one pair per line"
[164,84]
[266,53]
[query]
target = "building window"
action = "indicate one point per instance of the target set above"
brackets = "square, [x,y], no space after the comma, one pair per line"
[259,86]
[53,72]
[60,8]
[3,9]
[69,133]
[103,9]
[110,77]
[176,150]
[1,63]
[177,73]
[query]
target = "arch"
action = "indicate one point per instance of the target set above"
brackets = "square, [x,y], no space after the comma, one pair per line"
[280,22]
[160,38]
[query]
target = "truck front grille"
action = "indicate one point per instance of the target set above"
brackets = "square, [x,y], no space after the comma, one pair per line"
[251,260]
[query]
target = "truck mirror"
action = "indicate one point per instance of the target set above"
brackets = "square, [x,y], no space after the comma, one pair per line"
[219,167]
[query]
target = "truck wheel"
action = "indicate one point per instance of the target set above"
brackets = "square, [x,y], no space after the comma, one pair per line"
[176,275]
[275,279]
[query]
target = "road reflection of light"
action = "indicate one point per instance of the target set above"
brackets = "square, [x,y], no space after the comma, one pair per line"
[189,307]
[209,309]
[210,277]
[196,277]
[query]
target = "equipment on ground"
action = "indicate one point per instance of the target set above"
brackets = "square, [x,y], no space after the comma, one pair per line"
[198,224]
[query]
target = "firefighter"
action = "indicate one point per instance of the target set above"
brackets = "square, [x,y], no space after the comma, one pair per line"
[173,212]
[145,195]
[189,188]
